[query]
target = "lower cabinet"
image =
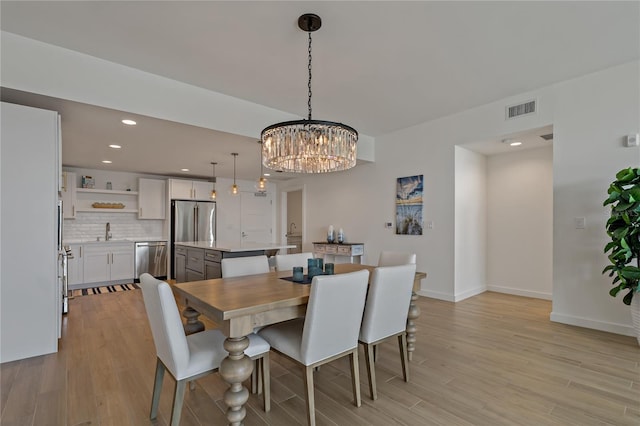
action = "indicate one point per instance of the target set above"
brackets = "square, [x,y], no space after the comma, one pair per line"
[75,265]
[180,264]
[108,262]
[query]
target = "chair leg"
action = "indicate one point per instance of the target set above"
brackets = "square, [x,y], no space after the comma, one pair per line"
[375,353]
[178,398]
[266,382]
[157,389]
[255,377]
[355,376]
[371,370]
[402,342]
[311,404]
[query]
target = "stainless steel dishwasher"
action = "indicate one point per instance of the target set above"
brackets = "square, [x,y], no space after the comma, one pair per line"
[151,257]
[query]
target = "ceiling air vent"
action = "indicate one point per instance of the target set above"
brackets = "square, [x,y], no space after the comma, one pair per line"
[518,110]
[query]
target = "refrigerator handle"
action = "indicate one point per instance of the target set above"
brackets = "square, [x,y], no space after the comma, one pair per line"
[195,223]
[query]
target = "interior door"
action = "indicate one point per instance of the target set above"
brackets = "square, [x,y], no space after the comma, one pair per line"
[256,216]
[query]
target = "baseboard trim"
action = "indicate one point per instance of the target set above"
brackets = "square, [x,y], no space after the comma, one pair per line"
[519,292]
[436,295]
[469,293]
[610,327]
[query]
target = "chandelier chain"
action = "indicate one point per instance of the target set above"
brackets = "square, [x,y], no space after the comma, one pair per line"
[309,84]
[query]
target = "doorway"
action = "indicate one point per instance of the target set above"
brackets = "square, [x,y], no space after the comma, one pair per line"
[294,219]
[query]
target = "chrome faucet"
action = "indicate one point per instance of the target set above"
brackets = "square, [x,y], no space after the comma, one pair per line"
[107,235]
[292,225]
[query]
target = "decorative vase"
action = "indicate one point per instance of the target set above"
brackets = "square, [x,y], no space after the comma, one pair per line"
[635,315]
[340,236]
[330,235]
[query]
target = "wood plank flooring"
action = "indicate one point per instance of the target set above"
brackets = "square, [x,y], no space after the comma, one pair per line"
[493,359]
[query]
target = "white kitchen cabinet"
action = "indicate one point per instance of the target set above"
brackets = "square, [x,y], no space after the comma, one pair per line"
[151,198]
[75,265]
[68,191]
[181,189]
[108,262]
[30,300]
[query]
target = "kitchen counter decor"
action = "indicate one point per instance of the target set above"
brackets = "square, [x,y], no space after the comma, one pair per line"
[100,205]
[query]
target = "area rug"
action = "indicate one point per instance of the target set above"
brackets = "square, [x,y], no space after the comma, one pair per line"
[104,289]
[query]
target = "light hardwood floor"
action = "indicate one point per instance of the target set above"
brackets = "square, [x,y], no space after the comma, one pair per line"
[493,359]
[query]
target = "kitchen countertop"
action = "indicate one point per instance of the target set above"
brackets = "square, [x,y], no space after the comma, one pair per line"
[114,240]
[233,247]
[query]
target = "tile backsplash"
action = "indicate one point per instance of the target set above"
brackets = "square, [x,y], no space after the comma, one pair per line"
[88,226]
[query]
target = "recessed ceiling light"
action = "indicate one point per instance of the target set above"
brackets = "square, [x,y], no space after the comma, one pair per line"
[512,142]
[106,161]
[267,174]
[129,122]
[115,146]
[184,170]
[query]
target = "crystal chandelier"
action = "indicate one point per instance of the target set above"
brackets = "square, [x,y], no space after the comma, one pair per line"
[309,146]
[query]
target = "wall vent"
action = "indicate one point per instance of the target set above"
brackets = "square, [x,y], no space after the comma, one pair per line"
[525,108]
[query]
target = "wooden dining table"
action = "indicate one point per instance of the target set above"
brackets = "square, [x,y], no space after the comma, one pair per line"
[237,305]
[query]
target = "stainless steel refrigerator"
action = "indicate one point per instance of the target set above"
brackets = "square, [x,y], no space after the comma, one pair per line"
[191,221]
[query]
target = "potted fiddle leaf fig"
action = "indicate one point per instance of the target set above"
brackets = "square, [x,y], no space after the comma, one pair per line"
[624,248]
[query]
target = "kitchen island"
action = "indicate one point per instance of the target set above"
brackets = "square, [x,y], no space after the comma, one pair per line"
[200,260]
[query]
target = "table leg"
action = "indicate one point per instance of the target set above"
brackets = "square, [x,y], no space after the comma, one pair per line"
[235,369]
[414,313]
[193,325]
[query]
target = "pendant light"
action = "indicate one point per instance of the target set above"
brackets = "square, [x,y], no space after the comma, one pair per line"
[309,146]
[213,179]
[234,187]
[261,185]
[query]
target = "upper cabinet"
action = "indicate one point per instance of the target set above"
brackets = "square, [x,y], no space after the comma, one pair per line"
[189,189]
[68,192]
[151,198]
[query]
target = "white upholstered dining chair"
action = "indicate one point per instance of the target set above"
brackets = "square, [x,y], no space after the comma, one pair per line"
[240,266]
[385,315]
[190,357]
[329,330]
[286,262]
[395,258]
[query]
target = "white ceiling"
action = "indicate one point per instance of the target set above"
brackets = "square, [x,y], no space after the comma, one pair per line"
[377,66]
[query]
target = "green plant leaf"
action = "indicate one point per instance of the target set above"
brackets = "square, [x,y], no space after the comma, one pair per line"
[627,298]
[630,272]
[614,291]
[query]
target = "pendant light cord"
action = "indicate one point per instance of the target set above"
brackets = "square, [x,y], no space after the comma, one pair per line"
[309,85]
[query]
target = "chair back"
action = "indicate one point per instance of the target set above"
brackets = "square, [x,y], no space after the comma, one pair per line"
[387,307]
[286,262]
[240,266]
[334,314]
[166,325]
[395,258]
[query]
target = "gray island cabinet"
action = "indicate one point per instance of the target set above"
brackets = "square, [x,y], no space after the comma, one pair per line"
[198,260]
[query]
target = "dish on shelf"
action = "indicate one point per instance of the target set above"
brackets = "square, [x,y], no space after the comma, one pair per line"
[99,205]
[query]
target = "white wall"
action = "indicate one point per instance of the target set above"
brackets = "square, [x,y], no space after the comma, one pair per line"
[593,114]
[470,224]
[520,222]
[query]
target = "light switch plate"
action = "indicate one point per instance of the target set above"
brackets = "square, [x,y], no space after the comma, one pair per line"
[633,140]
[580,222]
